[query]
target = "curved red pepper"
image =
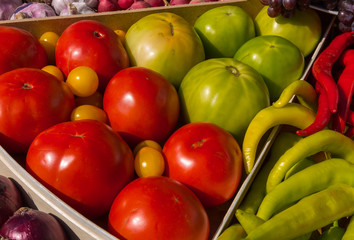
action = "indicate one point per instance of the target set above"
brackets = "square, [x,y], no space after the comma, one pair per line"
[346,89]
[322,67]
[323,115]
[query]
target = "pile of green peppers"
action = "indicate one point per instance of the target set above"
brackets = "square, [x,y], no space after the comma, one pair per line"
[296,194]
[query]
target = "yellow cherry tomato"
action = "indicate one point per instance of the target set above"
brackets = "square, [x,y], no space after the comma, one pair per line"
[88,112]
[147,143]
[95,99]
[83,81]
[121,35]
[149,162]
[55,71]
[49,41]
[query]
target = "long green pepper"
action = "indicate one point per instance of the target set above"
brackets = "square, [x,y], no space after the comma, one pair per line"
[330,141]
[305,182]
[310,213]
[257,191]
[349,232]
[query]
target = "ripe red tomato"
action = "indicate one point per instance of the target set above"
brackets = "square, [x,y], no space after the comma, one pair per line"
[31,100]
[141,104]
[206,158]
[158,208]
[19,48]
[84,162]
[92,44]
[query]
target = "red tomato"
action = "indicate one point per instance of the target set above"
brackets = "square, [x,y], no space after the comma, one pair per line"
[31,100]
[92,44]
[85,163]
[19,48]
[158,208]
[207,159]
[141,104]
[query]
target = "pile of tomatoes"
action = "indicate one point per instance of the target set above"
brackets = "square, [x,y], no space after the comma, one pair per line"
[106,137]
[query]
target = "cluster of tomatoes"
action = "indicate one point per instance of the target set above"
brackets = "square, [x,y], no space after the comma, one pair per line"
[106,138]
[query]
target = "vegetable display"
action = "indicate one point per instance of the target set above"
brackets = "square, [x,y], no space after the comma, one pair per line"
[149,133]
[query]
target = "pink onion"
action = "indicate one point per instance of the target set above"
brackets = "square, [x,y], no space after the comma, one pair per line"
[125,4]
[179,2]
[155,3]
[139,4]
[107,6]
[33,10]
[31,224]
[7,7]
[10,198]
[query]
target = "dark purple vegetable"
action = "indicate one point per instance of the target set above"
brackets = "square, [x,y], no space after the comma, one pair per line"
[33,10]
[10,198]
[31,224]
[7,7]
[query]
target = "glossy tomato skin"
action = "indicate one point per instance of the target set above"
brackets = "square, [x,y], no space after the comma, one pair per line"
[85,163]
[223,91]
[165,43]
[158,208]
[207,159]
[141,104]
[31,100]
[223,30]
[303,29]
[19,49]
[92,44]
[278,60]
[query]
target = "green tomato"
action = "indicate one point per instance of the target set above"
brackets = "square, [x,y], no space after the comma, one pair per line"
[277,59]
[223,30]
[225,92]
[304,28]
[165,43]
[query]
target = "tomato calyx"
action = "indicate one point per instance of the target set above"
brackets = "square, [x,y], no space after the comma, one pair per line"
[27,86]
[171,27]
[98,34]
[233,70]
[198,143]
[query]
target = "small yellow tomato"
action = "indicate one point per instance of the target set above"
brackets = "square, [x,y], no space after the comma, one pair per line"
[121,35]
[149,162]
[88,112]
[83,81]
[49,41]
[55,71]
[95,99]
[147,143]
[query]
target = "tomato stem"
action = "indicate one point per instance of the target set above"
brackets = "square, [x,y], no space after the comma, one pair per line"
[233,70]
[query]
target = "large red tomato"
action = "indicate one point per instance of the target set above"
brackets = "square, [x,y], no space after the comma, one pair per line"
[31,101]
[207,159]
[93,44]
[19,48]
[158,208]
[141,104]
[83,162]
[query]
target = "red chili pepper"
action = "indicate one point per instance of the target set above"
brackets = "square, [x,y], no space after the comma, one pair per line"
[350,132]
[350,118]
[323,115]
[322,67]
[346,89]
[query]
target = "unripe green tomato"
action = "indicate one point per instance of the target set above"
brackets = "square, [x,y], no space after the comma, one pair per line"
[277,59]
[304,28]
[223,30]
[225,92]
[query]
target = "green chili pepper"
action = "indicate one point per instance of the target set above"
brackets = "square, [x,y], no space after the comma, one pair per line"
[326,140]
[233,232]
[257,190]
[308,181]
[304,92]
[333,233]
[302,164]
[349,232]
[310,213]
[248,221]
[292,114]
